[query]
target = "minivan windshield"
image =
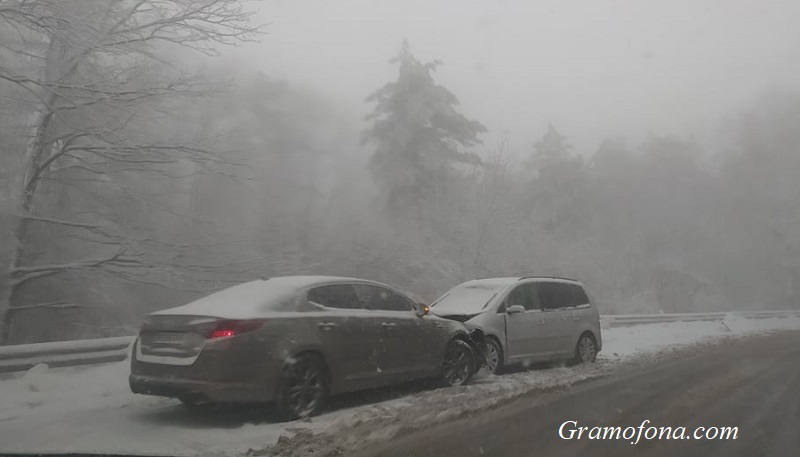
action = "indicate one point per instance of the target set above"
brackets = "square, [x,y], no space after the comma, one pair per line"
[469,298]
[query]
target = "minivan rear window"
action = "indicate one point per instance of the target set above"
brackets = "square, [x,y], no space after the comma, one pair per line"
[554,295]
[559,295]
[579,295]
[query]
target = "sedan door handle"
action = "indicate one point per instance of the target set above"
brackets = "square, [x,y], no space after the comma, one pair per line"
[326,325]
[542,322]
[576,318]
[388,325]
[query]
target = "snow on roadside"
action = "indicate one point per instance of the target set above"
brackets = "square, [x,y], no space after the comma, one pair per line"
[638,339]
[386,420]
[52,390]
[91,409]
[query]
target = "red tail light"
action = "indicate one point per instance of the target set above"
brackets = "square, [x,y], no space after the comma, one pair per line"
[223,333]
[226,329]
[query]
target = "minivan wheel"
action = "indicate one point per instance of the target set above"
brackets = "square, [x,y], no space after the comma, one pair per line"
[586,350]
[458,365]
[494,356]
[303,388]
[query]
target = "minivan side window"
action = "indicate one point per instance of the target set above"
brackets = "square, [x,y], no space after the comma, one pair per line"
[555,295]
[335,296]
[524,295]
[579,295]
[381,299]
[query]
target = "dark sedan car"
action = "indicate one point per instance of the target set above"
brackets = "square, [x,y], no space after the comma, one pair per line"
[294,341]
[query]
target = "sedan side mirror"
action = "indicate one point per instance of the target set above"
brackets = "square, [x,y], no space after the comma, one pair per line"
[423,309]
[514,309]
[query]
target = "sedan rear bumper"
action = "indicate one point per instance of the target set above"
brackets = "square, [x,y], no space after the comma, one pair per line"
[200,390]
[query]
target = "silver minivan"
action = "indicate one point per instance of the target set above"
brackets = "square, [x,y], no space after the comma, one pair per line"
[527,319]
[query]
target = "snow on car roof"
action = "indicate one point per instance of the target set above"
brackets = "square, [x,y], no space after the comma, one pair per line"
[492,282]
[474,296]
[253,298]
[500,282]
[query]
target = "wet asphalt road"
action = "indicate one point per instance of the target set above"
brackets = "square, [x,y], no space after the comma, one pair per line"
[752,384]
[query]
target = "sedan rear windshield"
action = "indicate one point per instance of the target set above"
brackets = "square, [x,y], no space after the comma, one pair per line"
[465,299]
[246,300]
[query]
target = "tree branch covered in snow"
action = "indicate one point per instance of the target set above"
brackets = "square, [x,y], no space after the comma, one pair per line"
[100,84]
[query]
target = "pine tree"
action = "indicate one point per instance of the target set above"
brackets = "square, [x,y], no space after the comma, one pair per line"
[558,184]
[419,135]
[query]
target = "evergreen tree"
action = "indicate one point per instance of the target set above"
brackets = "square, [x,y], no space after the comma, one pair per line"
[551,151]
[419,135]
[558,188]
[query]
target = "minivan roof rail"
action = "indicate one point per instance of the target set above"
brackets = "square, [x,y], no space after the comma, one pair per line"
[547,277]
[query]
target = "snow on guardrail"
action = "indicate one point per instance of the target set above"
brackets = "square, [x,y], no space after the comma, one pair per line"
[620,320]
[64,353]
[86,352]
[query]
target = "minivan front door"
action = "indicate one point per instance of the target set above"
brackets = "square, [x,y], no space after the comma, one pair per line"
[526,325]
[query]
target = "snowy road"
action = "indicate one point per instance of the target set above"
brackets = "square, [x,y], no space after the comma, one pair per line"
[90,409]
[752,384]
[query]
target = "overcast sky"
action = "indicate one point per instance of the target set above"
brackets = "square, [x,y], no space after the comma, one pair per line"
[593,68]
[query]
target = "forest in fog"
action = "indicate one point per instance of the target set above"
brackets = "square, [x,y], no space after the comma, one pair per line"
[138,172]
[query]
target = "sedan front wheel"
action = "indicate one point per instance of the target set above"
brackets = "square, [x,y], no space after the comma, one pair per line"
[459,363]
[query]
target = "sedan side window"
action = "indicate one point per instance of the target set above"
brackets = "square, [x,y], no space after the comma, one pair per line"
[524,295]
[335,296]
[382,299]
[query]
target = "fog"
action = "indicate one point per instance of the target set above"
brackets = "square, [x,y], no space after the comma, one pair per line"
[593,68]
[647,149]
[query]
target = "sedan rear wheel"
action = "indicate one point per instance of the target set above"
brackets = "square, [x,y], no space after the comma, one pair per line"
[304,388]
[459,363]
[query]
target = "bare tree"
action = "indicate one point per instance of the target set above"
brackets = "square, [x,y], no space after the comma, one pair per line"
[93,75]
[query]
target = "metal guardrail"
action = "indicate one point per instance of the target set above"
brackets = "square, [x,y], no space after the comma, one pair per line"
[86,352]
[64,353]
[622,320]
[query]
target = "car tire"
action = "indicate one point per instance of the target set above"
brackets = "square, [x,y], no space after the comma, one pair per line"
[458,365]
[585,350]
[303,388]
[494,356]
[192,402]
